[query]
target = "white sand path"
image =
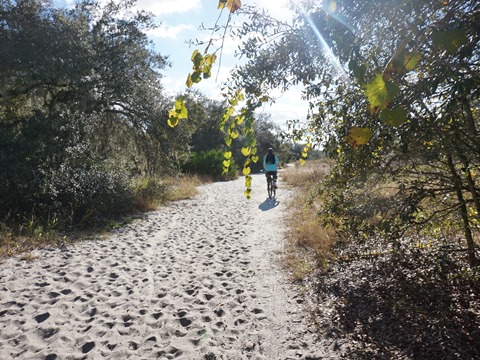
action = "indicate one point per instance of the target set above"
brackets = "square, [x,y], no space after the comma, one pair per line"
[197,279]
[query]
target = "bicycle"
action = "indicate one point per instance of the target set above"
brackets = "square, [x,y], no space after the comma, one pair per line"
[271,187]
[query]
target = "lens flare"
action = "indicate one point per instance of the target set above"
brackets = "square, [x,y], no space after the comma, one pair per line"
[326,49]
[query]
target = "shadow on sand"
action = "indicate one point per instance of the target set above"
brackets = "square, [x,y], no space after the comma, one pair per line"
[268,204]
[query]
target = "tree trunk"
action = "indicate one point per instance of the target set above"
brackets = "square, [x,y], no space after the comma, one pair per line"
[457,183]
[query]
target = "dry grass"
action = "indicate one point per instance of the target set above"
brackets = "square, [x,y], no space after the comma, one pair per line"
[304,176]
[21,244]
[309,242]
[184,187]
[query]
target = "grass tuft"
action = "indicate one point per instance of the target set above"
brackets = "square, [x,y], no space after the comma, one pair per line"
[185,187]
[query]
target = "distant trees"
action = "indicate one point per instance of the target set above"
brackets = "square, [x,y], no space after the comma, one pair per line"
[81,109]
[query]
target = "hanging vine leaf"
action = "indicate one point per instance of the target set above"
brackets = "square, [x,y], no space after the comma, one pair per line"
[246,151]
[358,136]
[404,62]
[248,182]
[232,5]
[377,93]
[394,117]
[202,67]
[178,112]
[172,118]
[450,40]
[380,93]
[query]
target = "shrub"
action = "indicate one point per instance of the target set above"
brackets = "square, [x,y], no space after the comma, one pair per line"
[210,163]
[149,193]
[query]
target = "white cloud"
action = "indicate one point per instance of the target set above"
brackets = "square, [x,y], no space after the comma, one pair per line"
[169,32]
[160,7]
[278,9]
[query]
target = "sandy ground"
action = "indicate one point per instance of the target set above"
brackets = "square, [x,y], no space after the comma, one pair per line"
[198,279]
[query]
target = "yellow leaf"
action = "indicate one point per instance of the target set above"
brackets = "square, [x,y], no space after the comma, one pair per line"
[358,136]
[332,6]
[248,193]
[234,134]
[226,164]
[377,93]
[247,171]
[246,151]
[179,104]
[301,161]
[239,119]
[179,109]
[227,155]
[248,181]
[210,59]
[195,54]
[233,5]
[222,4]
[189,82]
[172,121]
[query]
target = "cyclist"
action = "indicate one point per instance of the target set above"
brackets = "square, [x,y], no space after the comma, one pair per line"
[270,163]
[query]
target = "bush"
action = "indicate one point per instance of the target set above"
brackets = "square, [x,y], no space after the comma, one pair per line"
[210,163]
[50,172]
[149,193]
[89,194]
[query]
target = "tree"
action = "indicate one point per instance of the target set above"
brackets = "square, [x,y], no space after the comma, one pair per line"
[394,95]
[80,108]
[204,116]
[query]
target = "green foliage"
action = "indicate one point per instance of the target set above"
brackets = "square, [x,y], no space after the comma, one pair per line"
[149,193]
[204,117]
[80,109]
[394,117]
[210,163]
[407,109]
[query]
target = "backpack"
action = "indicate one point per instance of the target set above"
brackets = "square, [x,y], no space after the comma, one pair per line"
[270,159]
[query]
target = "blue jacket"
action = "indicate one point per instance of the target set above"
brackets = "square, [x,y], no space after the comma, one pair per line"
[270,167]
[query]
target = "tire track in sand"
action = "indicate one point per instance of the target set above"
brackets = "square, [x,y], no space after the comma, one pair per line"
[197,279]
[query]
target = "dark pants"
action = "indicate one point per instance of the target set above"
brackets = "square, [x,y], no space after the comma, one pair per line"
[271,173]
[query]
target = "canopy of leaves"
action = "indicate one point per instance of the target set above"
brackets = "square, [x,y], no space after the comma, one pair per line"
[81,108]
[394,93]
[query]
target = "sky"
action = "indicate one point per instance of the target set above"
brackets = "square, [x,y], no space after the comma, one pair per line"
[181,21]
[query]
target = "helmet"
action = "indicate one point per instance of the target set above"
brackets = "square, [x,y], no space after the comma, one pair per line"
[270,150]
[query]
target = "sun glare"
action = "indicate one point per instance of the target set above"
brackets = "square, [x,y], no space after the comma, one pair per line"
[327,50]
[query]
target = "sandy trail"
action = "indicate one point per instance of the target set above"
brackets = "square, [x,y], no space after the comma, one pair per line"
[197,279]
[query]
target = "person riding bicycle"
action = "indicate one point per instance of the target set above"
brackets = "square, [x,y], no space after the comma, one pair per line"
[270,163]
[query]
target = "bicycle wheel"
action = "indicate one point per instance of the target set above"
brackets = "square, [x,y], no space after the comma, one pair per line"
[270,189]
